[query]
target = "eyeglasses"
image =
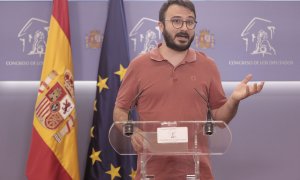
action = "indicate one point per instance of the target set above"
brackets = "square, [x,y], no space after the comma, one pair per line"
[178,23]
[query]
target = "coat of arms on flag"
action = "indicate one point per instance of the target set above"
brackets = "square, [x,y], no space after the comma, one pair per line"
[56,104]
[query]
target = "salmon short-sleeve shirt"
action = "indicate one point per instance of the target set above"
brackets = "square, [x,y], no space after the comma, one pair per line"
[162,92]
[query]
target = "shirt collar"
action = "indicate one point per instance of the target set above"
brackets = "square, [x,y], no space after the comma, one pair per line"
[156,56]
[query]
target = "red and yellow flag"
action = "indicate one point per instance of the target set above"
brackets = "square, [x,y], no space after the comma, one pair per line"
[53,152]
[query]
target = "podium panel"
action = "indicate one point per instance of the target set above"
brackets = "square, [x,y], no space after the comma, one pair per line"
[186,140]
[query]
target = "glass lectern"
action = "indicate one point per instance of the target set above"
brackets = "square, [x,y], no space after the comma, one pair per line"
[171,138]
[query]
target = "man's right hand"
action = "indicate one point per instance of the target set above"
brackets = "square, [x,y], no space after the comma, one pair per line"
[137,140]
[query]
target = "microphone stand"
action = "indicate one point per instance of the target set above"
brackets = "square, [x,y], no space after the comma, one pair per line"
[128,127]
[209,125]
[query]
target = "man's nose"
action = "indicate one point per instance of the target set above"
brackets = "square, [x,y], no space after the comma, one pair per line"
[184,26]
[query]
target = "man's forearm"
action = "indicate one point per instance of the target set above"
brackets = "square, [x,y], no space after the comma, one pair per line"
[120,114]
[226,112]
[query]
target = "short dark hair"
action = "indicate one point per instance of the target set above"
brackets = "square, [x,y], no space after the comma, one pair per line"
[185,3]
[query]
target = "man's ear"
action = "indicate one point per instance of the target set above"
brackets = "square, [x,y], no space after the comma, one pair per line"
[161,26]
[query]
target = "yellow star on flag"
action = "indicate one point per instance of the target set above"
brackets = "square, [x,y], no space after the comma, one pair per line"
[95,156]
[92,131]
[121,72]
[95,105]
[102,84]
[114,172]
[133,174]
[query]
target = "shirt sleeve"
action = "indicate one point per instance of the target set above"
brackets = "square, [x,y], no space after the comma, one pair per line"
[128,89]
[217,96]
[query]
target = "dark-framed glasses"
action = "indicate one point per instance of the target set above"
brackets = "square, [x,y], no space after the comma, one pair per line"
[178,23]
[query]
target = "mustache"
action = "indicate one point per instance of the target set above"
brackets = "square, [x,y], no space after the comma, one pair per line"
[182,34]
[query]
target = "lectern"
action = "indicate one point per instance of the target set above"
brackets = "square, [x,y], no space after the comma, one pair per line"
[171,138]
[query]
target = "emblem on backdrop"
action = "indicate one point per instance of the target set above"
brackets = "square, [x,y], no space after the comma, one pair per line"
[33,36]
[145,35]
[205,39]
[258,36]
[94,39]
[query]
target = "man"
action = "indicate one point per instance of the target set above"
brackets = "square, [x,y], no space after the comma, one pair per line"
[173,83]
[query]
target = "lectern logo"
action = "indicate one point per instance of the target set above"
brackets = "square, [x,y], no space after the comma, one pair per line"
[33,36]
[258,36]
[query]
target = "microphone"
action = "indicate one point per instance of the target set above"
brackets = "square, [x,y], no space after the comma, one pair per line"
[128,127]
[209,125]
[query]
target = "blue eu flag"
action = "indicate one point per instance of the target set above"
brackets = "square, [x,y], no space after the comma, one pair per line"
[102,161]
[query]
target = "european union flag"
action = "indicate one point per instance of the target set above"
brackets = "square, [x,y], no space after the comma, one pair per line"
[102,161]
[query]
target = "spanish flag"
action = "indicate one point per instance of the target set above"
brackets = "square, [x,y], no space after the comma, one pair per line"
[53,151]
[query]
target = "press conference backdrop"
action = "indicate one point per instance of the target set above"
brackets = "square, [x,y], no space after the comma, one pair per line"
[259,37]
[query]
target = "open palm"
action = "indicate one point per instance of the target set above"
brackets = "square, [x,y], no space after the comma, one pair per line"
[244,90]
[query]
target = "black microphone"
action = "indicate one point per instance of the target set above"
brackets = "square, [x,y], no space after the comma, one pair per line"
[209,125]
[128,129]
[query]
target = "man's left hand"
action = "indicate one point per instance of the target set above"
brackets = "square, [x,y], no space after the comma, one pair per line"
[244,90]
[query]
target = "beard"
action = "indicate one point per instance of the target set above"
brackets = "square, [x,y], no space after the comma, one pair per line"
[171,43]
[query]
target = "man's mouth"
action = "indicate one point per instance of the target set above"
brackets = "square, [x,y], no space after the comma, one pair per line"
[182,35]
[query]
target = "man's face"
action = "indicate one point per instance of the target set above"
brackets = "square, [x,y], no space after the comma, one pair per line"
[178,39]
